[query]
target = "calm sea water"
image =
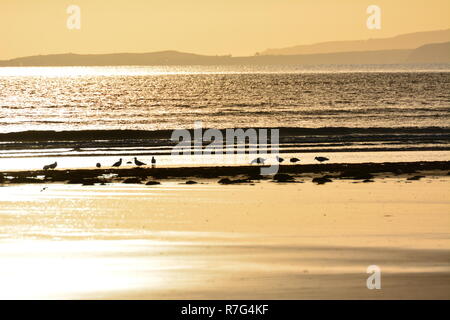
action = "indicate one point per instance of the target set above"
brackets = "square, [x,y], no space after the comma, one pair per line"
[152,98]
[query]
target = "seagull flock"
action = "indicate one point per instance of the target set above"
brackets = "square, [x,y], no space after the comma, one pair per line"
[138,163]
[260,160]
[99,165]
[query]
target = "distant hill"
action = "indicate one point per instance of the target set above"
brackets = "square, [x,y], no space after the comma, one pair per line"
[405,41]
[370,57]
[430,53]
[117,59]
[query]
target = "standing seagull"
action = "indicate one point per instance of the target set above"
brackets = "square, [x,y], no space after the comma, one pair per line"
[294,160]
[321,159]
[51,166]
[258,160]
[279,159]
[118,163]
[153,161]
[139,163]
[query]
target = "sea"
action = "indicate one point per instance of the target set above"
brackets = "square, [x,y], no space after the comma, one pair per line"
[80,116]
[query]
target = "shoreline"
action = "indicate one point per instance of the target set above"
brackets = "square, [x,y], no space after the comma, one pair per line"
[286,150]
[119,134]
[286,173]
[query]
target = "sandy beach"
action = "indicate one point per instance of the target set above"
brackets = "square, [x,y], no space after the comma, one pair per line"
[258,240]
[257,151]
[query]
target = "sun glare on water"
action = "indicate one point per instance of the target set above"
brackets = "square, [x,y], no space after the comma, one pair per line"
[62,72]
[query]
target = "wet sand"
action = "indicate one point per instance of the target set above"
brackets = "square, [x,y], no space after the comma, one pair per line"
[259,240]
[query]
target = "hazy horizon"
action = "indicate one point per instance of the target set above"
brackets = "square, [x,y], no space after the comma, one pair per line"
[242,56]
[203,27]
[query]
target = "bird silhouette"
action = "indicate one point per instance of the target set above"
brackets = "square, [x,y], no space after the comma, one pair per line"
[279,159]
[153,161]
[139,163]
[118,163]
[98,165]
[258,160]
[51,166]
[321,159]
[294,160]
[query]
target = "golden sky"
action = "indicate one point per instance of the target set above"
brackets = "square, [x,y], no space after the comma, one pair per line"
[238,27]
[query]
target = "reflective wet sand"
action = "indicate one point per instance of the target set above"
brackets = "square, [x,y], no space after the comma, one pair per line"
[266,240]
